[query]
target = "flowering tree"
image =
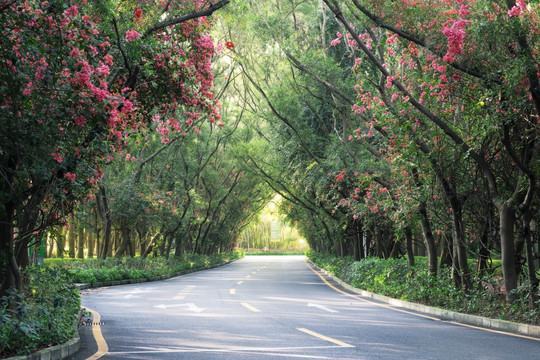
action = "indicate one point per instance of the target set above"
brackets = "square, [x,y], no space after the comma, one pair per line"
[448,68]
[78,77]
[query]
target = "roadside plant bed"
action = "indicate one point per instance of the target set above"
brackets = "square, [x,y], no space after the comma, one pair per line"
[394,278]
[41,317]
[44,316]
[93,271]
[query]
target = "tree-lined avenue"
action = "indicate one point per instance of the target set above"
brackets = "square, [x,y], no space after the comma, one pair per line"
[270,307]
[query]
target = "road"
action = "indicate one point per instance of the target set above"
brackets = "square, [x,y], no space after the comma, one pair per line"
[272,307]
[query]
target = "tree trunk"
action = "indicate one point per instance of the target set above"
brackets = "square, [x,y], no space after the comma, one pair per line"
[428,238]
[356,247]
[533,280]
[396,247]
[90,244]
[179,246]
[378,243]
[446,252]
[368,244]
[10,276]
[106,219]
[125,242]
[459,262]
[508,256]
[360,236]
[72,234]
[483,246]
[61,243]
[80,241]
[409,244]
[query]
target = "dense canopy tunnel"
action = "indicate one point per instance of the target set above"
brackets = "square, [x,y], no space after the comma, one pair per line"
[386,128]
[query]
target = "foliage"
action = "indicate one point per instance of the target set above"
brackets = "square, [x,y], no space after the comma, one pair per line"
[77,79]
[113,269]
[393,123]
[394,278]
[43,316]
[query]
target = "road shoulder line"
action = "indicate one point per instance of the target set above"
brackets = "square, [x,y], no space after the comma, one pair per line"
[103,348]
[325,338]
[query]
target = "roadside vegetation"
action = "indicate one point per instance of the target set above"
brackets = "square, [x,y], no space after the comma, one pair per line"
[389,129]
[395,278]
[92,271]
[45,314]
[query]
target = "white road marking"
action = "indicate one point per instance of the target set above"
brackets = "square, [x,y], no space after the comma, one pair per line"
[245,350]
[322,307]
[189,306]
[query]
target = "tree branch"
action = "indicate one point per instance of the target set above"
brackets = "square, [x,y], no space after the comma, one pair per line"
[180,19]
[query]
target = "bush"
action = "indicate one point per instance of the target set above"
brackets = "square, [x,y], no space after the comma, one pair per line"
[42,317]
[394,278]
[114,269]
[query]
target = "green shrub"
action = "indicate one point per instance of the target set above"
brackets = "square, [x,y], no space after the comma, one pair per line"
[114,269]
[42,317]
[394,278]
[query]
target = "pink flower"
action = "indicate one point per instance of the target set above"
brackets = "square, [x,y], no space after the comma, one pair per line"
[80,120]
[103,70]
[463,11]
[455,36]
[515,11]
[108,59]
[75,52]
[72,11]
[57,157]
[335,42]
[28,90]
[132,35]
[128,107]
[70,176]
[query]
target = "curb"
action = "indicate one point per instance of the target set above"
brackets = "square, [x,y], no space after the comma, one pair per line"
[69,348]
[480,321]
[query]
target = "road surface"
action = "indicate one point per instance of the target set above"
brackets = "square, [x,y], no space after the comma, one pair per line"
[272,307]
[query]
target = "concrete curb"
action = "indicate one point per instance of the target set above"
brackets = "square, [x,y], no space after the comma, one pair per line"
[480,321]
[69,348]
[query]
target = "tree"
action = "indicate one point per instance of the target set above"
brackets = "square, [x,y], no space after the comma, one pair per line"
[509,110]
[76,79]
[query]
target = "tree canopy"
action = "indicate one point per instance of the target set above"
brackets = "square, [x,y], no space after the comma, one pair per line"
[388,128]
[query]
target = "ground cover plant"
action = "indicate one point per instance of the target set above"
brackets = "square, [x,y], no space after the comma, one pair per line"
[114,269]
[42,316]
[395,278]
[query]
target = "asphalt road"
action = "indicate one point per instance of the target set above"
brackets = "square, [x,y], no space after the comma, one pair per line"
[272,307]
